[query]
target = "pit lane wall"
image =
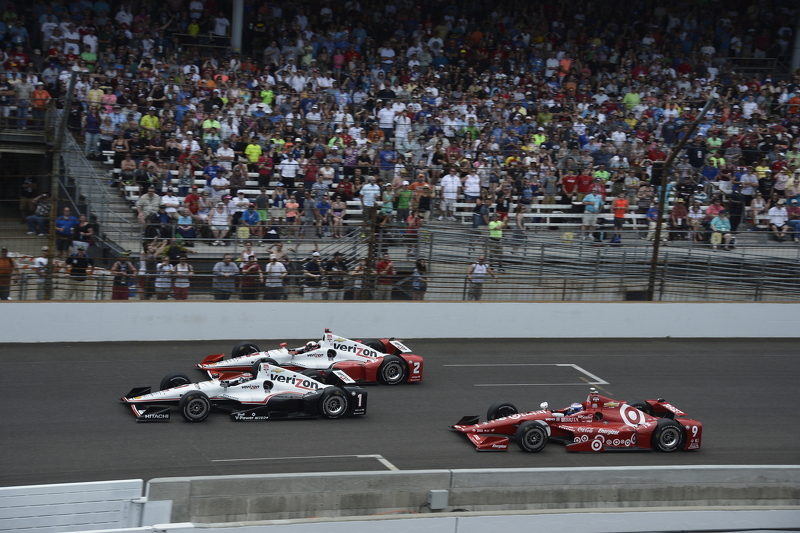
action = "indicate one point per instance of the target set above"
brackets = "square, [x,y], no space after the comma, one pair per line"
[170,320]
[260,497]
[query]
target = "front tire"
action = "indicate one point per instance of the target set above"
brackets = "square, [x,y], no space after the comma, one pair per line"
[333,403]
[244,348]
[500,409]
[176,379]
[393,370]
[194,406]
[668,436]
[531,437]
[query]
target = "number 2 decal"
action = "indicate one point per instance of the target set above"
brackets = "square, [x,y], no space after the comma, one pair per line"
[416,367]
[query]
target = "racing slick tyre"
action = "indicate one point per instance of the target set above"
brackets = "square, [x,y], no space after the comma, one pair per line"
[668,436]
[393,370]
[315,375]
[642,406]
[500,409]
[333,403]
[244,348]
[531,436]
[194,406]
[375,345]
[257,364]
[176,379]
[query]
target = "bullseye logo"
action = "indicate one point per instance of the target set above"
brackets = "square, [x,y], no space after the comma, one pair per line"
[631,416]
[597,443]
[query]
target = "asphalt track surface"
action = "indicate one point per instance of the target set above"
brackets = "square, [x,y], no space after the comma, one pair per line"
[62,422]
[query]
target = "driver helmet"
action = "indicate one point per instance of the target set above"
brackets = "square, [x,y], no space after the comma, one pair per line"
[311,346]
[574,408]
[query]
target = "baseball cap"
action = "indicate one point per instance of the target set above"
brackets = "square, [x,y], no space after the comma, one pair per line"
[315,254]
[405,182]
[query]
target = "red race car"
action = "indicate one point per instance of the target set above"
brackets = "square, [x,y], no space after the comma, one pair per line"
[596,425]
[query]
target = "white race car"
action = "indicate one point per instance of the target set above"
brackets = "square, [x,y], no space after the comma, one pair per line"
[386,361]
[266,392]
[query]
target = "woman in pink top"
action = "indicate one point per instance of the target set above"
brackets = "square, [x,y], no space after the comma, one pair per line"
[291,215]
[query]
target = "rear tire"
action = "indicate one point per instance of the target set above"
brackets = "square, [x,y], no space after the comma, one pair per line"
[376,345]
[531,437]
[194,406]
[315,375]
[393,370]
[334,403]
[257,365]
[244,348]
[500,409]
[668,436]
[176,379]
[642,406]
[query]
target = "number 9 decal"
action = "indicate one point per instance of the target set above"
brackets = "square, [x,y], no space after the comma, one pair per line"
[631,415]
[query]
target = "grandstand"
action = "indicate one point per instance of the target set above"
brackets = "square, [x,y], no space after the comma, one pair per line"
[533,107]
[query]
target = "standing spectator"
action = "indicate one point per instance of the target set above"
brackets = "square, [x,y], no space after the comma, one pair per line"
[593,204]
[43,280]
[91,128]
[164,274]
[385,280]
[37,222]
[369,195]
[82,234]
[64,226]
[419,281]
[312,278]
[39,105]
[23,90]
[124,275]
[288,168]
[252,279]
[8,274]
[403,201]
[80,268]
[336,271]
[496,227]
[183,274]
[275,272]
[224,281]
[450,189]
[476,275]
[620,208]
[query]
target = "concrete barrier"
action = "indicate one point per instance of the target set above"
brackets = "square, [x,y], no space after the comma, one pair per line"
[167,321]
[340,494]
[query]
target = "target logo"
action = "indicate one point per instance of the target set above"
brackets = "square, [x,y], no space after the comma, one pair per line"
[597,443]
[631,415]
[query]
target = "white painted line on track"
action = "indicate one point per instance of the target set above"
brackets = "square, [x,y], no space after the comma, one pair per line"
[378,457]
[512,364]
[597,380]
[527,384]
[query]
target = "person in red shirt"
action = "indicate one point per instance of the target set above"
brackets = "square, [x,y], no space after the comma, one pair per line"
[657,153]
[585,182]
[569,184]
[191,202]
[385,269]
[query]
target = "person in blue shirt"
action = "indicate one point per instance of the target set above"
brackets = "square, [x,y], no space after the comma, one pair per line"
[250,219]
[64,225]
[323,209]
[721,226]
[592,205]
[386,162]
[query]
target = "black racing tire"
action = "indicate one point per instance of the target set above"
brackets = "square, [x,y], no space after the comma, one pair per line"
[194,406]
[375,345]
[500,409]
[668,436]
[393,370]
[244,348]
[531,436]
[333,403]
[176,379]
[314,374]
[257,364]
[642,406]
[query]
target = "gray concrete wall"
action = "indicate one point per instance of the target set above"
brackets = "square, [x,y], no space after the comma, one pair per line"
[342,494]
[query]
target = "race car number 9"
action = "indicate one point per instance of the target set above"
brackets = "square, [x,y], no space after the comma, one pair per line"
[631,415]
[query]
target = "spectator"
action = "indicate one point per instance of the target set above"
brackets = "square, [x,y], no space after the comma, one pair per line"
[8,274]
[312,278]
[385,282]
[275,272]
[778,218]
[223,284]
[419,281]
[37,223]
[64,227]
[163,279]
[476,276]
[335,272]
[124,275]
[182,280]
[252,279]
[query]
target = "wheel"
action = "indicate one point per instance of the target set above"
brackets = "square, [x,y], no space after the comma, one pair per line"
[176,379]
[244,348]
[375,345]
[393,370]
[314,374]
[531,436]
[642,406]
[257,365]
[500,409]
[668,436]
[333,403]
[194,406]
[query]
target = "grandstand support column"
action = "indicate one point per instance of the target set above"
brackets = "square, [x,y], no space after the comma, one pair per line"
[795,63]
[662,196]
[61,130]
[237,23]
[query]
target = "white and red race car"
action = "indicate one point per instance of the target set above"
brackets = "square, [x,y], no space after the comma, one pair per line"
[265,392]
[386,361]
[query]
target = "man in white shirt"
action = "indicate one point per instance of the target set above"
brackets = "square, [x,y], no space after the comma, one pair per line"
[778,216]
[450,188]
[288,168]
[369,195]
[225,155]
[385,117]
[219,186]
[172,202]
